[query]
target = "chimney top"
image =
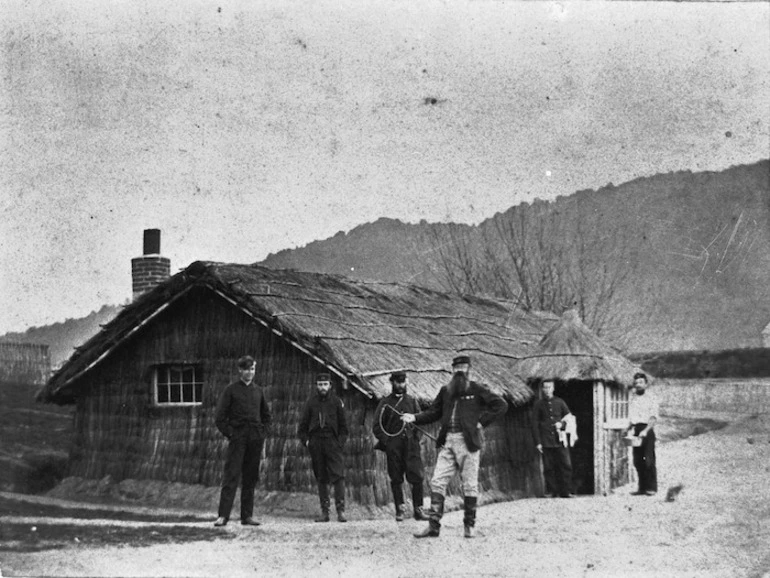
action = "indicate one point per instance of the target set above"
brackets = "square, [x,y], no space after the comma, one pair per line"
[152,241]
[151,268]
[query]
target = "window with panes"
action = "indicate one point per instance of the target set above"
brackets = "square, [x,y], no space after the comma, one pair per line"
[178,384]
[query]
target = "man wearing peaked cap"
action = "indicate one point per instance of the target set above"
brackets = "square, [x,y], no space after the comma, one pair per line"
[323,429]
[401,445]
[464,408]
[549,419]
[243,417]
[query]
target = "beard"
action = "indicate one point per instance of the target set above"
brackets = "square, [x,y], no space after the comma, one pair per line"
[399,389]
[458,385]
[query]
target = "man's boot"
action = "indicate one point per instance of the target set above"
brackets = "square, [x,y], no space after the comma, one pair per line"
[323,495]
[469,520]
[339,500]
[434,517]
[398,500]
[419,511]
[420,515]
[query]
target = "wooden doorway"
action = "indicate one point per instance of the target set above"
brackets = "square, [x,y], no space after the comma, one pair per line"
[579,397]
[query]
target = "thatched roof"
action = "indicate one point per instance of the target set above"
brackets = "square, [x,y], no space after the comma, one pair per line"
[570,350]
[360,330]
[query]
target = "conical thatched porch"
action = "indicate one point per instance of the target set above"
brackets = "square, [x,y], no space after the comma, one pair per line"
[593,378]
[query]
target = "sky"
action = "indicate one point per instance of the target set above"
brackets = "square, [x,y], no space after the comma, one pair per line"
[243,128]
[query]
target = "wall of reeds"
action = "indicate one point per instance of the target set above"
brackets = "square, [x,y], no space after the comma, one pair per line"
[617,455]
[121,433]
[24,363]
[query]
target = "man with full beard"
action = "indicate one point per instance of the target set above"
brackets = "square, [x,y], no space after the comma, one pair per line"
[323,429]
[464,407]
[401,445]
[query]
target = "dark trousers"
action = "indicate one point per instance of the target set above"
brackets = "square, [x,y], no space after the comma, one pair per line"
[404,459]
[644,460]
[557,467]
[327,458]
[244,451]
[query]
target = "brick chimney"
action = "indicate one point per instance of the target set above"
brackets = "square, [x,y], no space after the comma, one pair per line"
[150,269]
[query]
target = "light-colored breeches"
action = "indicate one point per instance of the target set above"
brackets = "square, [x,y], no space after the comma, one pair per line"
[452,457]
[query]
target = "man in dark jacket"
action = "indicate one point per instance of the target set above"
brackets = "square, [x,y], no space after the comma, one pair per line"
[464,407]
[549,415]
[401,445]
[324,430]
[243,417]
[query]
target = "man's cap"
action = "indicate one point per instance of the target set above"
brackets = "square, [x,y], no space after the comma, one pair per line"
[246,362]
[398,376]
[461,359]
[323,377]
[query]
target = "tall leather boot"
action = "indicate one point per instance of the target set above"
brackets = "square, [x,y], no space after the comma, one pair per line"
[398,500]
[469,519]
[417,500]
[323,495]
[434,517]
[339,500]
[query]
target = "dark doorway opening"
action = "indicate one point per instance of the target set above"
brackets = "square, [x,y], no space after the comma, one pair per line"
[579,397]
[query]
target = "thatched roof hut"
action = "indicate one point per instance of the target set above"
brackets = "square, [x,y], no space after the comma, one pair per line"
[571,351]
[592,377]
[147,383]
[361,330]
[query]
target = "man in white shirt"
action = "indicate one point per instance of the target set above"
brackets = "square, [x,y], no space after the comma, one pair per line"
[643,414]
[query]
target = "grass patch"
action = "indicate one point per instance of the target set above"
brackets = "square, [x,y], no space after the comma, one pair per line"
[28,425]
[22,538]
[10,507]
[670,429]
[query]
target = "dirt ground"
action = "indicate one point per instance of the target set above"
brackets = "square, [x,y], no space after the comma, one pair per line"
[718,525]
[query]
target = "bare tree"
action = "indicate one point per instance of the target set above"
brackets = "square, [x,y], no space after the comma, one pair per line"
[459,268]
[599,270]
[547,260]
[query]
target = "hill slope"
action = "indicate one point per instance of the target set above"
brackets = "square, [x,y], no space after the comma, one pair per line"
[63,337]
[384,250]
[697,245]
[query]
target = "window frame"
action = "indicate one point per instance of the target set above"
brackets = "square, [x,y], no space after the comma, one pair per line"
[196,384]
[616,408]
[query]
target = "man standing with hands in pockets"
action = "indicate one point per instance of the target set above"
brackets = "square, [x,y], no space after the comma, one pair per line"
[323,429]
[243,417]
